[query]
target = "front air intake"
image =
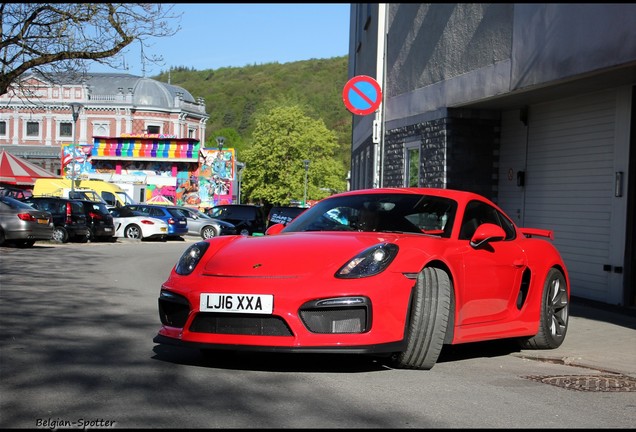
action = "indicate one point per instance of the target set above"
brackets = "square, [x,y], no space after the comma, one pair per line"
[240,324]
[337,315]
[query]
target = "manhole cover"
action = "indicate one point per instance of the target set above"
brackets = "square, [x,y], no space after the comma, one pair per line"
[592,383]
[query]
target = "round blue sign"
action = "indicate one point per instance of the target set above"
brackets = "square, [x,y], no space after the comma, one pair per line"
[362,95]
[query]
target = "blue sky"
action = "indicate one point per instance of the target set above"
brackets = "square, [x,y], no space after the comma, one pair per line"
[216,35]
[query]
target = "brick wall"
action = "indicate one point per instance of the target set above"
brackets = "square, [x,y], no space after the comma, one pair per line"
[458,151]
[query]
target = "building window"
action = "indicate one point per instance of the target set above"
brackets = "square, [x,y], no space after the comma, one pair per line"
[3,128]
[153,129]
[32,129]
[101,129]
[412,165]
[191,133]
[66,130]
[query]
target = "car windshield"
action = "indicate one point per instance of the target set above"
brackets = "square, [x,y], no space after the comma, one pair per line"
[422,214]
[192,213]
[201,214]
[123,196]
[99,207]
[233,212]
[175,213]
[14,203]
[123,212]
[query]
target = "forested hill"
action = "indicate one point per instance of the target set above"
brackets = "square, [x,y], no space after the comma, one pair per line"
[234,96]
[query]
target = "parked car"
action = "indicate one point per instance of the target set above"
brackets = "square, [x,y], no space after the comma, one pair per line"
[69,217]
[99,220]
[200,224]
[247,218]
[23,225]
[177,223]
[283,214]
[386,272]
[135,225]
[14,192]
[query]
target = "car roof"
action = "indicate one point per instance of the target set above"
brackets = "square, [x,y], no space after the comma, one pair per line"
[238,205]
[51,198]
[461,196]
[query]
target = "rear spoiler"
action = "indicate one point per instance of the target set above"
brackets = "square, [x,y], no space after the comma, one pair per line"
[529,232]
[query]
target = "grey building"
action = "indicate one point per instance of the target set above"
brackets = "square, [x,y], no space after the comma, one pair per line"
[531,105]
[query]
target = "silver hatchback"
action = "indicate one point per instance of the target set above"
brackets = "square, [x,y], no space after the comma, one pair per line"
[21,224]
[203,225]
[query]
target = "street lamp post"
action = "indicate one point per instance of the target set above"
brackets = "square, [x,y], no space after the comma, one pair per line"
[239,174]
[306,164]
[76,107]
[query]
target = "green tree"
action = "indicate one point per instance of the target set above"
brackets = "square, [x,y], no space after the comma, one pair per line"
[274,170]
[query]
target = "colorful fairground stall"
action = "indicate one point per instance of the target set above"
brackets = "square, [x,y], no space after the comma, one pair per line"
[173,170]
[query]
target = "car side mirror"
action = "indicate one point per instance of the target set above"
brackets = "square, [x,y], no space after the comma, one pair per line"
[486,233]
[274,229]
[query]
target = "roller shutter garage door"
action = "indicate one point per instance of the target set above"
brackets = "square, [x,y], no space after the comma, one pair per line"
[569,183]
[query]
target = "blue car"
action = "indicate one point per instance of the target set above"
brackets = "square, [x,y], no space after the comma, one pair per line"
[177,223]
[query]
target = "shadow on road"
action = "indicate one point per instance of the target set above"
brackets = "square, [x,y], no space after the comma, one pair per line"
[590,309]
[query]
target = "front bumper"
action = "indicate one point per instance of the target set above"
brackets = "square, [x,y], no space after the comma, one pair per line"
[386,348]
[303,320]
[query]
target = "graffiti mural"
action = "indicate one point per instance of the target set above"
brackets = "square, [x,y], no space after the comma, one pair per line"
[216,172]
[188,191]
[76,160]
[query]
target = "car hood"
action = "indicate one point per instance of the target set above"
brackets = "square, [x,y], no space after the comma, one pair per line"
[291,254]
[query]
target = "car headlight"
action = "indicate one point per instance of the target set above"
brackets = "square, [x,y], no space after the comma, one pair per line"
[369,262]
[191,258]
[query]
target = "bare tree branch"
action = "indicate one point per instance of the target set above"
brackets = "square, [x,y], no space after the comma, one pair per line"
[49,38]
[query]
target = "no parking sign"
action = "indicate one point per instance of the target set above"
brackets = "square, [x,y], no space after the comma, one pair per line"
[362,95]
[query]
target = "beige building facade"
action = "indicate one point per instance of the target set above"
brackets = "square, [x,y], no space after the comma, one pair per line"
[36,119]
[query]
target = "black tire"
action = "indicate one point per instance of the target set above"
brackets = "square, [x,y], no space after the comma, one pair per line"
[133,231]
[60,235]
[91,235]
[427,322]
[208,232]
[553,323]
[3,239]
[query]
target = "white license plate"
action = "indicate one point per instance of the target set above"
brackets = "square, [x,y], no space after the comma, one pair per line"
[237,303]
[108,229]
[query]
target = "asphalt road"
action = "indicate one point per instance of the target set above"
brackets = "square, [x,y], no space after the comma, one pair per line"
[76,351]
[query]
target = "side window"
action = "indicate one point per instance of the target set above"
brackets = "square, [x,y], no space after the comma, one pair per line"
[478,213]
[109,197]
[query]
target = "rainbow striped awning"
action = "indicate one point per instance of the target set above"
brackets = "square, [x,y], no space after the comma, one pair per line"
[159,149]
